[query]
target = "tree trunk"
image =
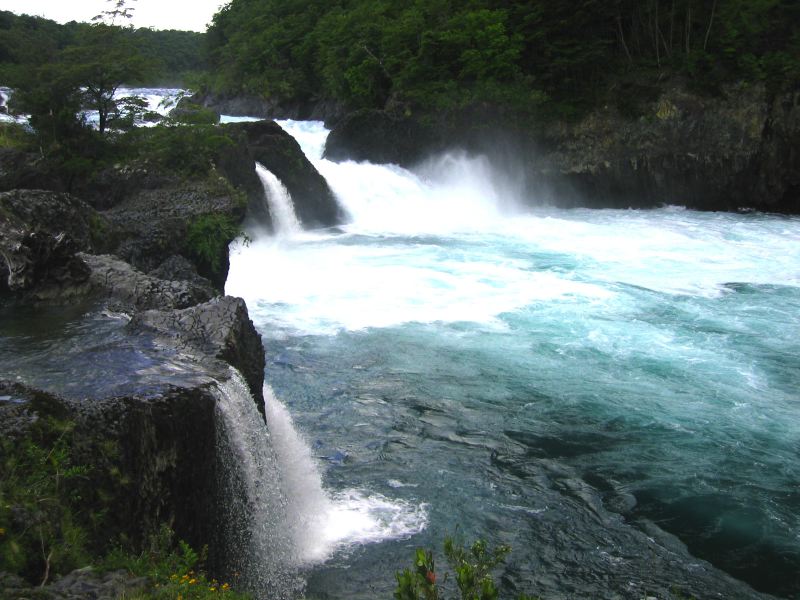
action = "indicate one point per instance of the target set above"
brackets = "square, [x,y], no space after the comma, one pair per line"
[710,23]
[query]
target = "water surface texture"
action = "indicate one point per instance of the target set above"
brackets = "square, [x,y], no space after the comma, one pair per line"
[612,393]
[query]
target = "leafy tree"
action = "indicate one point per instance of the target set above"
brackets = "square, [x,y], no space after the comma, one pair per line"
[103,58]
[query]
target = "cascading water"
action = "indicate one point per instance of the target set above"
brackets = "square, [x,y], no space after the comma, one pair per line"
[542,378]
[253,540]
[279,203]
[275,517]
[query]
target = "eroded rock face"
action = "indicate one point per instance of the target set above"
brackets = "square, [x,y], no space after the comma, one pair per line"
[381,137]
[151,225]
[220,328]
[253,106]
[271,146]
[25,171]
[40,234]
[160,446]
[736,151]
[128,290]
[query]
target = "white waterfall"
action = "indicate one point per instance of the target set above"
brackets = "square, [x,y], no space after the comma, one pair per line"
[279,202]
[275,515]
[254,540]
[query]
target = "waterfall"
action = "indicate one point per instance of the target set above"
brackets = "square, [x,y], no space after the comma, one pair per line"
[279,203]
[253,542]
[274,516]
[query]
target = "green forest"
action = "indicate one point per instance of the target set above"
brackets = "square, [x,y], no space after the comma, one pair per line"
[550,56]
[27,42]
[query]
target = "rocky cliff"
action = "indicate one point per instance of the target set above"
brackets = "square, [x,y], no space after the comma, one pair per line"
[735,151]
[153,451]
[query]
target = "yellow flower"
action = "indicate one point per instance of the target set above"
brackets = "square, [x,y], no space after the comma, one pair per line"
[2,531]
[225,586]
[192,581]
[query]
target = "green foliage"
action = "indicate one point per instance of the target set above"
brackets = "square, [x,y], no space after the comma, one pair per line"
[173,570]
[471,568]
[208,238]
[186,150]
[32,41]
[540,57]
[15,136]
[41,510]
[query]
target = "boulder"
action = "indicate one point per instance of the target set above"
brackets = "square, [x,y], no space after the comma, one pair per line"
[219,329]
[41,235]
[379,136]
[280,153]
[127,290]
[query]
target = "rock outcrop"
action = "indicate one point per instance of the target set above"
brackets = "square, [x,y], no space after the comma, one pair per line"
[219,329]
[722,153]
[243,105]
[124,289]
[153,246]
[40,235]
[736,151]
[279,152]
[26,171]
[152,457]
[153,224]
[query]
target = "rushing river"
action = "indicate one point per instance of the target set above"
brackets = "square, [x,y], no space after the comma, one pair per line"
[596,388]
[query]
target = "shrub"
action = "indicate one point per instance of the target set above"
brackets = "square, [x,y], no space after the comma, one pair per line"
[471,567]
[173,571]
[208,238]
[41,519]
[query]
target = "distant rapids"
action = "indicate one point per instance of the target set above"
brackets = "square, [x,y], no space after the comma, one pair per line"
[613,393]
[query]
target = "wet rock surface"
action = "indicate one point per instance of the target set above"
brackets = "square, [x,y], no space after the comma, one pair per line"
[134,256]
[161,446]
[220,328]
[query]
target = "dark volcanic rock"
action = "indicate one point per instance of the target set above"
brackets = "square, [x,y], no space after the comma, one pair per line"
[178,268]
[41,232]
[26,171]
[736,151]
[77,585]
[381,137]
[152,225]
[252,106]
[51,213]
[220,328]
[271,146]
[688,150]
[164,455]
[110,186]
[129,290]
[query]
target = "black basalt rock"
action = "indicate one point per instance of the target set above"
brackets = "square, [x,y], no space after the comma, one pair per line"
[219,329]
[161,446]
[271,146]
[40,235]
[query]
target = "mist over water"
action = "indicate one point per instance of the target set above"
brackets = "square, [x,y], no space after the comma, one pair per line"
[613,393]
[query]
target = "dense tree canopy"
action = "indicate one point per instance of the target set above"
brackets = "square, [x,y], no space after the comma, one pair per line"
[449,53]
[27,41]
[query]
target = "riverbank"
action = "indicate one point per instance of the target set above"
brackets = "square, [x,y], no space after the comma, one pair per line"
[114,324]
